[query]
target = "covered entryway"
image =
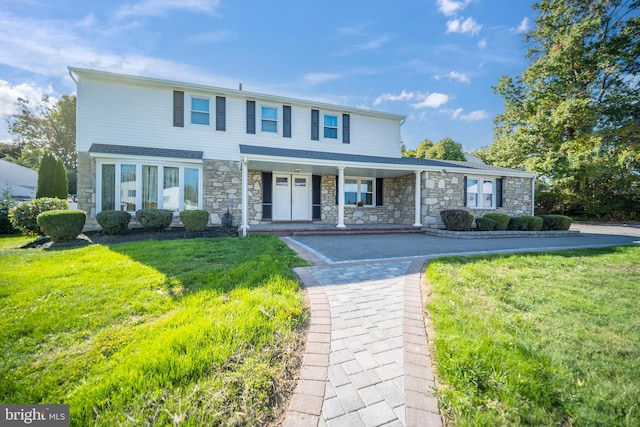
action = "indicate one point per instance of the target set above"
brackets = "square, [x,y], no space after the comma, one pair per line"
[291,197]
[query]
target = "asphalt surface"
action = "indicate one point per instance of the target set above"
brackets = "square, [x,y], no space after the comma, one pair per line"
[336,249]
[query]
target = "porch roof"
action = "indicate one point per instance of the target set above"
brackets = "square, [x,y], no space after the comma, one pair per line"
[323,162]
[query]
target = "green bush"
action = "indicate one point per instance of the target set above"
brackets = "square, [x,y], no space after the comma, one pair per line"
[517,223]
[555,222]
[62,225]
[24,217]
[113,222]
[195,220]
[485,224]
[155,219]
[457,219]
[502,220]
[534,223]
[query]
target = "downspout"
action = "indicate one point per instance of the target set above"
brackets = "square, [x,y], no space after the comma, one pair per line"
[73,78]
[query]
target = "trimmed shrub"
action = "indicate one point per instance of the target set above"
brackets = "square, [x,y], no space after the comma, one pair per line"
[195,220]
[534,223]
[24,217]
[62,225]
[502,220]
[155,219]
[517,223]
[113,222]
[485,224]
[555,222]
[457,219]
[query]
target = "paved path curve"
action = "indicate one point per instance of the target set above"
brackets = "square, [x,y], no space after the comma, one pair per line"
[367,361]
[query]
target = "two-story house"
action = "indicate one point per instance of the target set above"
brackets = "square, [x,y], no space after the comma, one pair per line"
[152,143]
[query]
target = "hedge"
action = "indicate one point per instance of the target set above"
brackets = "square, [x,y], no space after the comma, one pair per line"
[457,219]
[155,219]
[62,225]
[24,217]
[195,220]
[113,222]
[534,223]
[485,224]
[555,222]
[502,220]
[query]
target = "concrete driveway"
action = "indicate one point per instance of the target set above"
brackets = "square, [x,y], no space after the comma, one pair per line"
[336,249]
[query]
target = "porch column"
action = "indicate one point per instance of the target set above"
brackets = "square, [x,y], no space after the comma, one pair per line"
[245,197]
[418,198]
[340,185]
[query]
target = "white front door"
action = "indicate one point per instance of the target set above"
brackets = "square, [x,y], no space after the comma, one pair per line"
[291,197]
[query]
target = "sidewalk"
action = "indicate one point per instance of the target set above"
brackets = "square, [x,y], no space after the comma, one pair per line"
[366,361]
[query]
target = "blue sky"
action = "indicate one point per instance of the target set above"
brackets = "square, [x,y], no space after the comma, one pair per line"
[433,60]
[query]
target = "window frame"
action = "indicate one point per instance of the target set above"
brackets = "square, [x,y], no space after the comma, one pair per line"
[193,97]
[480,181]
[358,181]
[276,121]
[139,163]
[326,127]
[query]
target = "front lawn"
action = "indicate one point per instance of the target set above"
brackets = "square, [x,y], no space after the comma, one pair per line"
[198,332]
[538,339]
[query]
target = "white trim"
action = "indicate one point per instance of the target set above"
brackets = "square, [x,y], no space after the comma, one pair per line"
[278,120]
[418,200]
[340,185]
[144,159]
[190,110]
[480,179]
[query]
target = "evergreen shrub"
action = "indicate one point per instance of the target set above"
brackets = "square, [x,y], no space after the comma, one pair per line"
[502,220]
[24,217]
[457,219]
[485,224]
[155,219]
[517,223]
[555,222]
[534,223]
[62,225]
[113,222]
[195,220]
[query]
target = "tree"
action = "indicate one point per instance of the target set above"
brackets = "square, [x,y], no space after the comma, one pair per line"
[52,178]
[573,116]
[49,127]
[446,149]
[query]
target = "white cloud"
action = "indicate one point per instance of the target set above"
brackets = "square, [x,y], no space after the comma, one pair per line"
[459,25]
[371,45]
[160,7]
[9,94]
[454,75]
[524,26]
[482,43]
[450,7]
[404,96]
[432,100]
[213,37]
[471,117]
[319,78]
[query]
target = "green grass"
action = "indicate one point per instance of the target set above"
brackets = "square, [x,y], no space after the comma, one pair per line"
[538,339]
[197,332]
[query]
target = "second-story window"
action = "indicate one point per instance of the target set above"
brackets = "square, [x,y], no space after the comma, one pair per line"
[269,119]
[200,111]
[330,126]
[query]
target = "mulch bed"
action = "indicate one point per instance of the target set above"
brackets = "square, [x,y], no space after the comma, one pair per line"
[132,235]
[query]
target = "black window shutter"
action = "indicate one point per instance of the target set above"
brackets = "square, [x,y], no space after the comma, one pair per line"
[464,184]
[178,108]
[316,196]
[379,195]
[267,181]
[315,125]
[221,113]
[286,121]
[346,131]
[337,189]
[498,192]
[251,116]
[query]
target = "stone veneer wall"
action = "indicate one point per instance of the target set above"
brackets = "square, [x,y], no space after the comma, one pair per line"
[441,191]
[222,190]
[86,189]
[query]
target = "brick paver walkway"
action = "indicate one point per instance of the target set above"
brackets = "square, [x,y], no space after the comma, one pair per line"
[366,361]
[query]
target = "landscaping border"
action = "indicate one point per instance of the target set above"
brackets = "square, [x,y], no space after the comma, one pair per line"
[498,234]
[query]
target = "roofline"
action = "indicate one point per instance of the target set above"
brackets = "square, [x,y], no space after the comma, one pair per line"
[151,81]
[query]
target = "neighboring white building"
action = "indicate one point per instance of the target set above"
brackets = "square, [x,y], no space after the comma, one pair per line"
[147,143]
[22,181]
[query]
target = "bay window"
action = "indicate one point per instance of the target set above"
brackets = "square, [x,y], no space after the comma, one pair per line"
[147,186]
